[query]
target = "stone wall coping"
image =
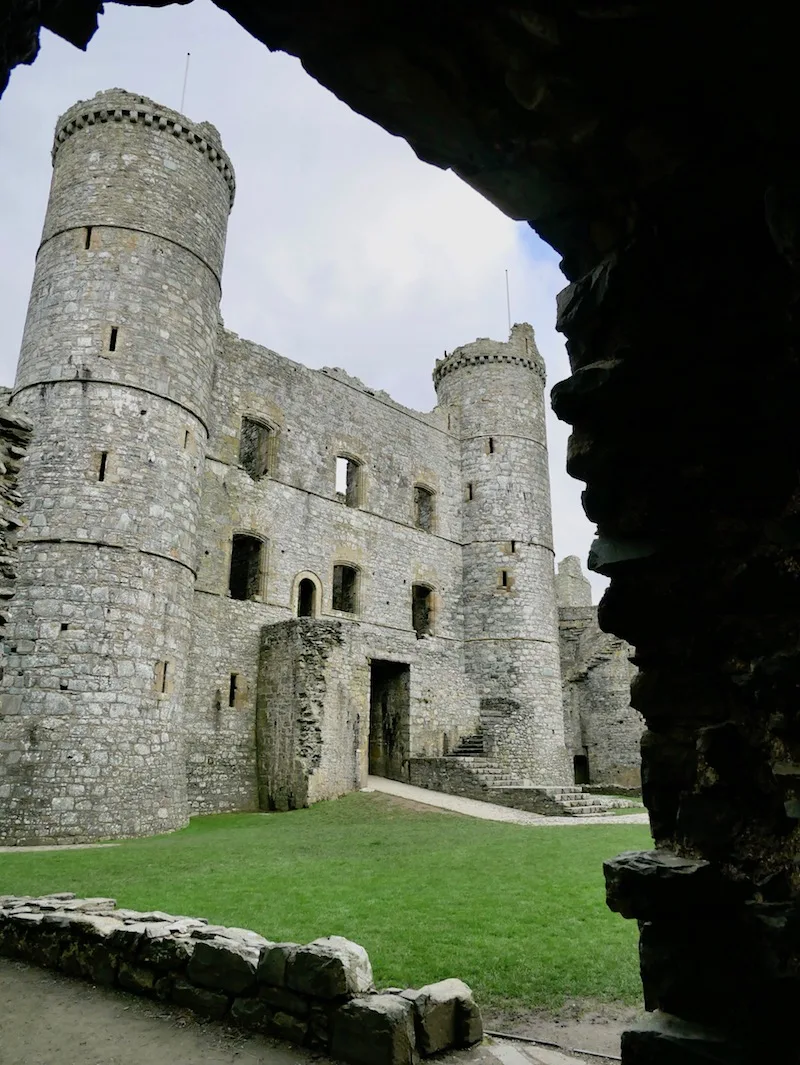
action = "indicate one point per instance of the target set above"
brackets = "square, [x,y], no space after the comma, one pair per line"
[319,995]
[118,105]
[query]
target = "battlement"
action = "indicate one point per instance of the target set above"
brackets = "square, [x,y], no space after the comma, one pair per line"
[118,105]
[519,350]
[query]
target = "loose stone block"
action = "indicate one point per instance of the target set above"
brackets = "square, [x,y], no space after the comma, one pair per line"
[252,1013]
[658,883]
[376,1030]
[285,1026]
[212,1004]
[280,998]
[166,953]
[224,966]
[445,1015]
[330,967]
[136,978]
[273,962]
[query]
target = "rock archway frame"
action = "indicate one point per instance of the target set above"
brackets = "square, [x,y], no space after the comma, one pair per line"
[654,146]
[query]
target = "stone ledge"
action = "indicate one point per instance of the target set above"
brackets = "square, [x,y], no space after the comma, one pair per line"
[319,995]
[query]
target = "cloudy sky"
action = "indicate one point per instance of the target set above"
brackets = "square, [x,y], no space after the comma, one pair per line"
[343,248]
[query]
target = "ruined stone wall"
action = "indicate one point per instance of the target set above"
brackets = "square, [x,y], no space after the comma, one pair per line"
[320,995]
[116,373]
[312,715]
[306,528]
[599,721]
[494,394]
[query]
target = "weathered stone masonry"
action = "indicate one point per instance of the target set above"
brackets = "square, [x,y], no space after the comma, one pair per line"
[319,995]
[185,502]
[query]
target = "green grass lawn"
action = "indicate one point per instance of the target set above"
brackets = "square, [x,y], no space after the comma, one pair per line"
[516,912]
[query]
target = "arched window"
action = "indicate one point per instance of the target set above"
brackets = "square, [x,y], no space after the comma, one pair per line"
[345,588]
[306,598]
[256,448]
[248,567]
[423,508]
[349,481]
[422,610]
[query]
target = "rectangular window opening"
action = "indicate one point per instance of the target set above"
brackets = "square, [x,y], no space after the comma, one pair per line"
[421,610]
[88,242]
[348,480]
[513,547]
[186,438]
[423,508]
[164,677]
[470,493]
[232,689]
[491,445]
[256,442]
[504,578]
[64,626]
[247,561]
[345,589]
[101,473]
[112,340]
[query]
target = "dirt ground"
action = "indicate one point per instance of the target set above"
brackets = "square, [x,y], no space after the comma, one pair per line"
[49,1019]
[579,1025]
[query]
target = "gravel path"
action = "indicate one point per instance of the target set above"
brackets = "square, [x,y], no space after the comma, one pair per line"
[489,811]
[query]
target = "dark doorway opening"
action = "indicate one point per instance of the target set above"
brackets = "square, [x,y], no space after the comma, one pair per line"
[580,765]
[389,713]
[306,598]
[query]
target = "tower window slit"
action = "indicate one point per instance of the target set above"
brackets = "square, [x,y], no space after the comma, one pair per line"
[164,677]
[491,445]
[186,438]
[513,547]
[101,473]
[112,340]
[504,578]
[234,683]
[88,241]
[470,492]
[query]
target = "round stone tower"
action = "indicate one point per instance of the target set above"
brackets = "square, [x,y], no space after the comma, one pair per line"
[494,394]
[116,374]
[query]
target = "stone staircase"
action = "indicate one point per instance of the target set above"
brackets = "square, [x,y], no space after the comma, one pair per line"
[472,774]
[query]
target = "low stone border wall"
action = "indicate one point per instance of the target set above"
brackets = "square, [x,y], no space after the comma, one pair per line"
[319,995]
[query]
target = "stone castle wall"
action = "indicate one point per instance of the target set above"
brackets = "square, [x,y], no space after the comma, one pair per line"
[601,725]
[134,686]
[510,621]
[116,372]
[307,528]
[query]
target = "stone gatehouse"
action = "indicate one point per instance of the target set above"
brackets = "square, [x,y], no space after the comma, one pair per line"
[243,583]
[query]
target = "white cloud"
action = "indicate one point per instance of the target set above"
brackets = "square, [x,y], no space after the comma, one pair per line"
[343,248]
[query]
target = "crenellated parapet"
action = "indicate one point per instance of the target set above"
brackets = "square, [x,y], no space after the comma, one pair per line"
[520,350]
[118,105]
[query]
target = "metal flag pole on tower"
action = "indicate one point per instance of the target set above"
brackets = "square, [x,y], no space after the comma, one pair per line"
[508,303]
[185,77]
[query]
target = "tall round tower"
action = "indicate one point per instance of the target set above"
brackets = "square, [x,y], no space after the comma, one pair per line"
[495,395]
[116,374]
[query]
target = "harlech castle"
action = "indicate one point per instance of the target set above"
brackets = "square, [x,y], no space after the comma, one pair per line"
[239,583]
